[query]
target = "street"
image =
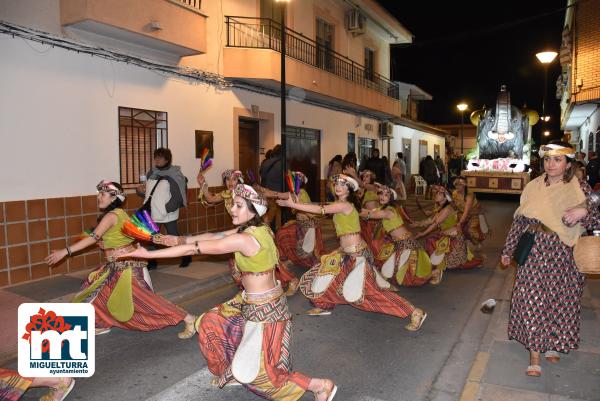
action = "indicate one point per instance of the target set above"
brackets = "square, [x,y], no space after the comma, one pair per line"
[370,356]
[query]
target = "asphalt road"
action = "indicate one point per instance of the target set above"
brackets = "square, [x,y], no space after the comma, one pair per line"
[370,356]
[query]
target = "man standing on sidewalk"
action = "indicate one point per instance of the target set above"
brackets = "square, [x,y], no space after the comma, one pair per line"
[165,189]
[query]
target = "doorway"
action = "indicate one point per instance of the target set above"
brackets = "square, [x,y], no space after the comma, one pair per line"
[406,150]
[303,153]
[248,147]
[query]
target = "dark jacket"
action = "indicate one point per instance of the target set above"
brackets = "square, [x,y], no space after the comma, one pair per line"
[377,165]
[593,171]
[270,174]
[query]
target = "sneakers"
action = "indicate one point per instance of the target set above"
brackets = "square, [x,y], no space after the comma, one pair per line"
[318,312]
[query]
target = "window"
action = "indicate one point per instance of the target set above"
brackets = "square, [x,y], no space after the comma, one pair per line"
[351,142]
[140,133]
[324,45]
[365,146]
[369,64]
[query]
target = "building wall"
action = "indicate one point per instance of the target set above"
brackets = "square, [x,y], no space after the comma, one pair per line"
[585,82]
[301,16]
[415,136]
[62,129]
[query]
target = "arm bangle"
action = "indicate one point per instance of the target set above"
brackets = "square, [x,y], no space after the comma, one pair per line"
[368,215]
[69,253]
[198,251]
[322,210]
[95,236]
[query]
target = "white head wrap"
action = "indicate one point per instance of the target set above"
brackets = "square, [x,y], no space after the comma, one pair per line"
[346,179]
[249,193]
[556,150]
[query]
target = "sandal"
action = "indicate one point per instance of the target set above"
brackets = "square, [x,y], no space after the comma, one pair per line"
[534,371]
[417,317]
[318,312]
[327,390]
[292,287]
[436,277]
[60,387]
[189,331]
[552,356]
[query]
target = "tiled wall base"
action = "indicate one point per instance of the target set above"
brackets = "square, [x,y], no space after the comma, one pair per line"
[30,229]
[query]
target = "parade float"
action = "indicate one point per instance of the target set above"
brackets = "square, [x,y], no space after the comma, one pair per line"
[500,162]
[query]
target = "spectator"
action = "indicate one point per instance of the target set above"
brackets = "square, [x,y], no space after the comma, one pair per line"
[271,171]
[401,165]
[170,193]
[593,169]
[439,163]
[387,170]
[349,165]
[375,164]
[430,173]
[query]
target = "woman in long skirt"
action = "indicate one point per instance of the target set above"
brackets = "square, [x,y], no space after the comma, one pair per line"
[346,276]
[399,258]
[248,338]
[444,241]
[545,313]
[121,295]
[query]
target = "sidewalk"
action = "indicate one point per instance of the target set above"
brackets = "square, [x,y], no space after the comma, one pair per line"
[498,371]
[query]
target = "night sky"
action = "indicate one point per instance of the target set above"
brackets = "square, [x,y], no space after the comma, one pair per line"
[464,51]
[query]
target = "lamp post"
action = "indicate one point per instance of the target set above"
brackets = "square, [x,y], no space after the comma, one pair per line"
[462,107]
[282,95]
[545,58]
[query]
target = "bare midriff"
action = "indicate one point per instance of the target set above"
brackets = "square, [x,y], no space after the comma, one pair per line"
[256,283]
[399,233]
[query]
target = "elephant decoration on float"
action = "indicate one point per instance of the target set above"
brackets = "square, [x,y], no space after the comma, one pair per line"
[503,136]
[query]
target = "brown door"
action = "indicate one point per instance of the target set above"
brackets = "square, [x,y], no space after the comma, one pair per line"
[303,150]
[248,141]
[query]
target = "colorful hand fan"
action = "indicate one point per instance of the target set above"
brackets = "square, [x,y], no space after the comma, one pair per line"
[140,226]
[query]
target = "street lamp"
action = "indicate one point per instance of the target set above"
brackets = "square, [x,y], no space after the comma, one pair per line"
[462,107]
[545,58]
[282,96]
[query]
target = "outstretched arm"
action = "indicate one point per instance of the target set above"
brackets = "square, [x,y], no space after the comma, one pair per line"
[435,223]
[209,196]
[376,214]
[106,223]
[332,208]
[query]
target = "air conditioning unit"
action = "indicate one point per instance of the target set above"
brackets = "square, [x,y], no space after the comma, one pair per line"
[386,130]
[355,21]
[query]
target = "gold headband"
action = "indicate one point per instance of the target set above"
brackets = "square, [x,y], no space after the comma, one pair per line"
[556,151]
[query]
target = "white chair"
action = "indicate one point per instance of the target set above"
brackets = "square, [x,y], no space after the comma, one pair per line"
[420,185]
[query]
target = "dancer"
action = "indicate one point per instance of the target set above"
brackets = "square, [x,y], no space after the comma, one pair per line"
[346,276]
[248,338]
[13,386]
[120,293]
[545,312]
[232,178]
[472,220]
[399,257]
[445,242]
[300,240]
[371,230]
[370,200]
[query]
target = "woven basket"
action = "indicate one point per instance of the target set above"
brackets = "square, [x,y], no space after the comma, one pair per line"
[587,255]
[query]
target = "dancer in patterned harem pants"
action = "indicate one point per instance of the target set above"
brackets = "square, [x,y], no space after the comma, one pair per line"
[347,275]
[472,221]
[121,295]
[444,241]
[546,299]
[13,386]
[399,258]
[248,338]
[230,179]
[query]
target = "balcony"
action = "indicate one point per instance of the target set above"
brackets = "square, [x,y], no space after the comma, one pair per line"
[176,28]
[253,55]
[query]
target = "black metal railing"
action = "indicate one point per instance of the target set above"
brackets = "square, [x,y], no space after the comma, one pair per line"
[265,33]
[197,4]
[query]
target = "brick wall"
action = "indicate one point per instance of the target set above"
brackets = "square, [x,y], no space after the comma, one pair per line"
[29,229]
[586,57]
